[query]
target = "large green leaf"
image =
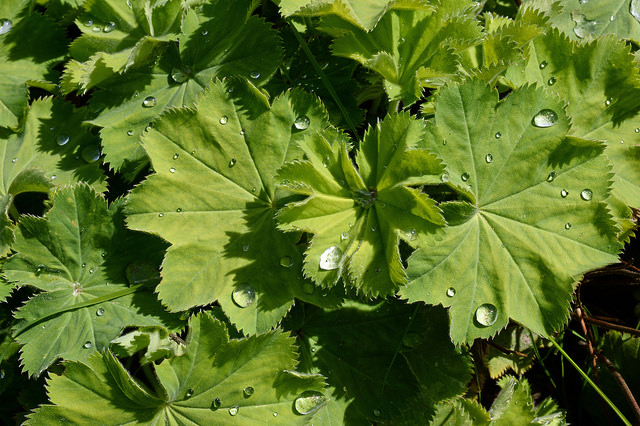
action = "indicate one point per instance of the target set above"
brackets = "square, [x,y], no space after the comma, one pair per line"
[213,197]
[220,41]
[362,13]
[78,252]
[380,360]
[600,84]
[531,187]
[217,381]
[359,216]
[52,148]
[410,48]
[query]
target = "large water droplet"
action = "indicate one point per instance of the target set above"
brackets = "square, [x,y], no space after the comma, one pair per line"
[634,9]
[100,312]
[248,391]
[110,26]
[584,27]
[545,118]
[87,345]
[149,102]
[444,178]
[330,258]
[488,158]
[465,177]
[232,162]
[224,120]
[486,314]
[62,140]
[564,193]
[451,292]
[309,402]
[286,262]
[243,295]
[5,26]
[91,154]
[302,122]
[255,74]
[586,194]
[179,76]
[216,403]
[233,410]
[551,176]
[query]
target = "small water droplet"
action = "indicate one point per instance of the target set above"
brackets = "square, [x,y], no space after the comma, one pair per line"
[275,414]
[129,4]
[373,229]
[205,32]
[377,412]
[216,403]
[488,158]
[330,258]
[564,193]
[551,176]
[584,27]
[245,248]
[302,122]
[608,101]
[586,194]
[255,74]
[87,345]
[543,65]
[100,312]
[486,314]
[189,394]
[248,391]
[637,130]
[545,118]
[465,177]
[91,270]
[451,292]
[233,410]
[172,169]
[96,29]
[286,262]
[62,140]
[309,402]
[444,142]
[612,18]
[444,178]
[130,132]
[498,135]
[175,156]
[344,236]
[110,26]
[243,295]
[15,160]
[84,265]
[552,81]
[621,141]
[149,102]
[179,76]
[224,120]
[326,161]
[567,225]
[232,162]
[179,210]
[53,177]
[5,26]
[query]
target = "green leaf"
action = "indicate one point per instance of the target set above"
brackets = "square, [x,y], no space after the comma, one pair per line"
[50,150]
[220,41]
[214,196]
[207,385]
[78,252]
[533,187]
[381,360]
[516,339]
[362,13]
[410,48]
[599,82]
[156,341]
[358,216]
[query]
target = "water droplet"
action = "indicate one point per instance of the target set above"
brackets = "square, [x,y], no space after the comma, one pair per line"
[551,176]
[96,29]
[189,394]
[302,122]
[91,270]
[444,142]
[53,177]
[545,118]
[172,169]
[451,292]
[377,412]
[612,18]
[216,403]
[15,160]
[243,295]
[224,120]
[564,193]
[621,141]
[486,314]
[160,214]
[584,27]
[179,210]
[100,312]
[465,176]
[5,26]
[286,262]
[255,74]
[232,162]
[179,76]
[498,135]
[586,194]
[608,101]
[233,410]
[330,258]
[87,345]
[130,132]
[149,102]
[309,402]
[444,178]
[373,229]
[275,414]
[248,391]
[326,161]
[543,65]
[488,158]
[205,32]
[637,130]
[129,4]
[634,9]
[567,225]
[245,248]
[344,236]
[552,81]
[62,140]
[308,288]
[84,265]
[110,26]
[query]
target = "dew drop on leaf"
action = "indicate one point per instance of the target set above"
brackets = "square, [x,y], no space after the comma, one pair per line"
[87,345]
[584,27]
[564,193]
[110,26]
[91,154]
[567,225]
[149,102]
[275,414]
[100,312]
[232,162]
[637,129]
[286,262]
[634,9]
[224,120]
[444,178]
[377,412]
[15,160]
[465,176]
[326,161]
[205,32]
[175,156]
[130,132]
[255,74]
[62,140]
[216,403]
[160,214]
[486,314]
[451,292]
[248,391]
[302,122]
[488,158]
[233,410]
[344,236]
[5,26]
[612,18]
[498,135]
[330,258]
[245,248]
[608,101]
[84,265]
[552,81]
[309,402]
[586,194]
[178,75]
[543,65]
[189,394]
[551,176]
[172,169]
[243,295]
[545,118]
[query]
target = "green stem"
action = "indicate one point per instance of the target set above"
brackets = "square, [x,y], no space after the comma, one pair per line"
[324,78]
[593,385]
[544,367]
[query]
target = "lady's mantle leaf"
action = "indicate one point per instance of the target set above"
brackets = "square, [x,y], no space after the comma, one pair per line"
[362,13]
[80,251]
[213,197]
[217,381]
[358,218]
[534,188]
[52,148]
